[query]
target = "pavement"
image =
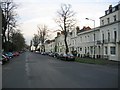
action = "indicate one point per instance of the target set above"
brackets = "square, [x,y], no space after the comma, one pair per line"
[31,70]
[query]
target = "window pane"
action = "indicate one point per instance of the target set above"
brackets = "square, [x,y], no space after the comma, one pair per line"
[114,17]
[108,20]
[113,50]
[115,35]
[106,50]
[108,36]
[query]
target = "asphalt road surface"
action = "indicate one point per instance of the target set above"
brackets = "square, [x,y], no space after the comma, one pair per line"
[31,70]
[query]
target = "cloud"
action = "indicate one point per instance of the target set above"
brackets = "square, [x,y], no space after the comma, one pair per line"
[34,12]
[29,27]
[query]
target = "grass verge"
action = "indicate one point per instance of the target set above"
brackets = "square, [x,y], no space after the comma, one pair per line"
[94,61]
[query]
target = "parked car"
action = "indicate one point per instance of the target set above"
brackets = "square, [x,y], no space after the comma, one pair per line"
[52,54]
[4,59]
[67,57]
[63,56]
[47,53]
[57,55]
[70,57]
[22,51]
[60,56]
[6,56]
[43,53]
[16,53]
[38,52]
[9,54]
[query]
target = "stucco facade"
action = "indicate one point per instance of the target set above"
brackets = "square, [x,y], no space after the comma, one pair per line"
[110,32]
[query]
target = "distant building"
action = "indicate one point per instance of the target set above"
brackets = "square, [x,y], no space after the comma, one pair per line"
[60,44]
[32,48]
[50,46]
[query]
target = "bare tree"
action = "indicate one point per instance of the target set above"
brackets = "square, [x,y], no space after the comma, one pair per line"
[66,21]
[31,43]
[36,41]
[43,34]
[9,18]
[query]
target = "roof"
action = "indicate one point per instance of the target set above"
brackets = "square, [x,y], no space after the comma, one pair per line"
[84,29]
[111,10]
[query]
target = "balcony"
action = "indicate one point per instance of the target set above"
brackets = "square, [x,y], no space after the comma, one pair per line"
[106,41]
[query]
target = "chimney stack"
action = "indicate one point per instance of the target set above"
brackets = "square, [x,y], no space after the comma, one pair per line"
[58,33]
[110,7]
[62,32]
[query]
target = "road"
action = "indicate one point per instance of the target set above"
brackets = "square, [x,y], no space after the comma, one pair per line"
[31,70]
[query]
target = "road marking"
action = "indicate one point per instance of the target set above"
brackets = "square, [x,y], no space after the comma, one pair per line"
[27,69]
[27,57]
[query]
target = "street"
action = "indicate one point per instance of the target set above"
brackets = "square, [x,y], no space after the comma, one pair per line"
[32,70]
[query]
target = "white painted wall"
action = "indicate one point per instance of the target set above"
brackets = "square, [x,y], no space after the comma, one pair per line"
[86,40]
[110,16]
[111,27]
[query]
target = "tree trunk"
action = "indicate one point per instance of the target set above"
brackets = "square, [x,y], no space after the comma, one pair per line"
[66,45]
[44,47]
[65,34]
[8,37]
[35,48]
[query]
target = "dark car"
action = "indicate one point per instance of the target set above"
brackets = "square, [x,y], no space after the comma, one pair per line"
[43,53]
[16,53]
[10,54]
[47,53]
[7,57]
[56,55]
[60,56]
[70,57]
[50,54]
[63,56]
[4,59]
[53,55]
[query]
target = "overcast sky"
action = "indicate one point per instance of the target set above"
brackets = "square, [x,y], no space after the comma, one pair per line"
[34,12]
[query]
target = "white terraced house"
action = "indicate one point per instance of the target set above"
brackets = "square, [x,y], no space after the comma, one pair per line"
[103,41]
[110,33]
[60,43]
[99,42]
[50,46]
[87,42]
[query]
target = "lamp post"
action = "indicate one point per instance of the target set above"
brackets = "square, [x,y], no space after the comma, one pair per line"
[94,33]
